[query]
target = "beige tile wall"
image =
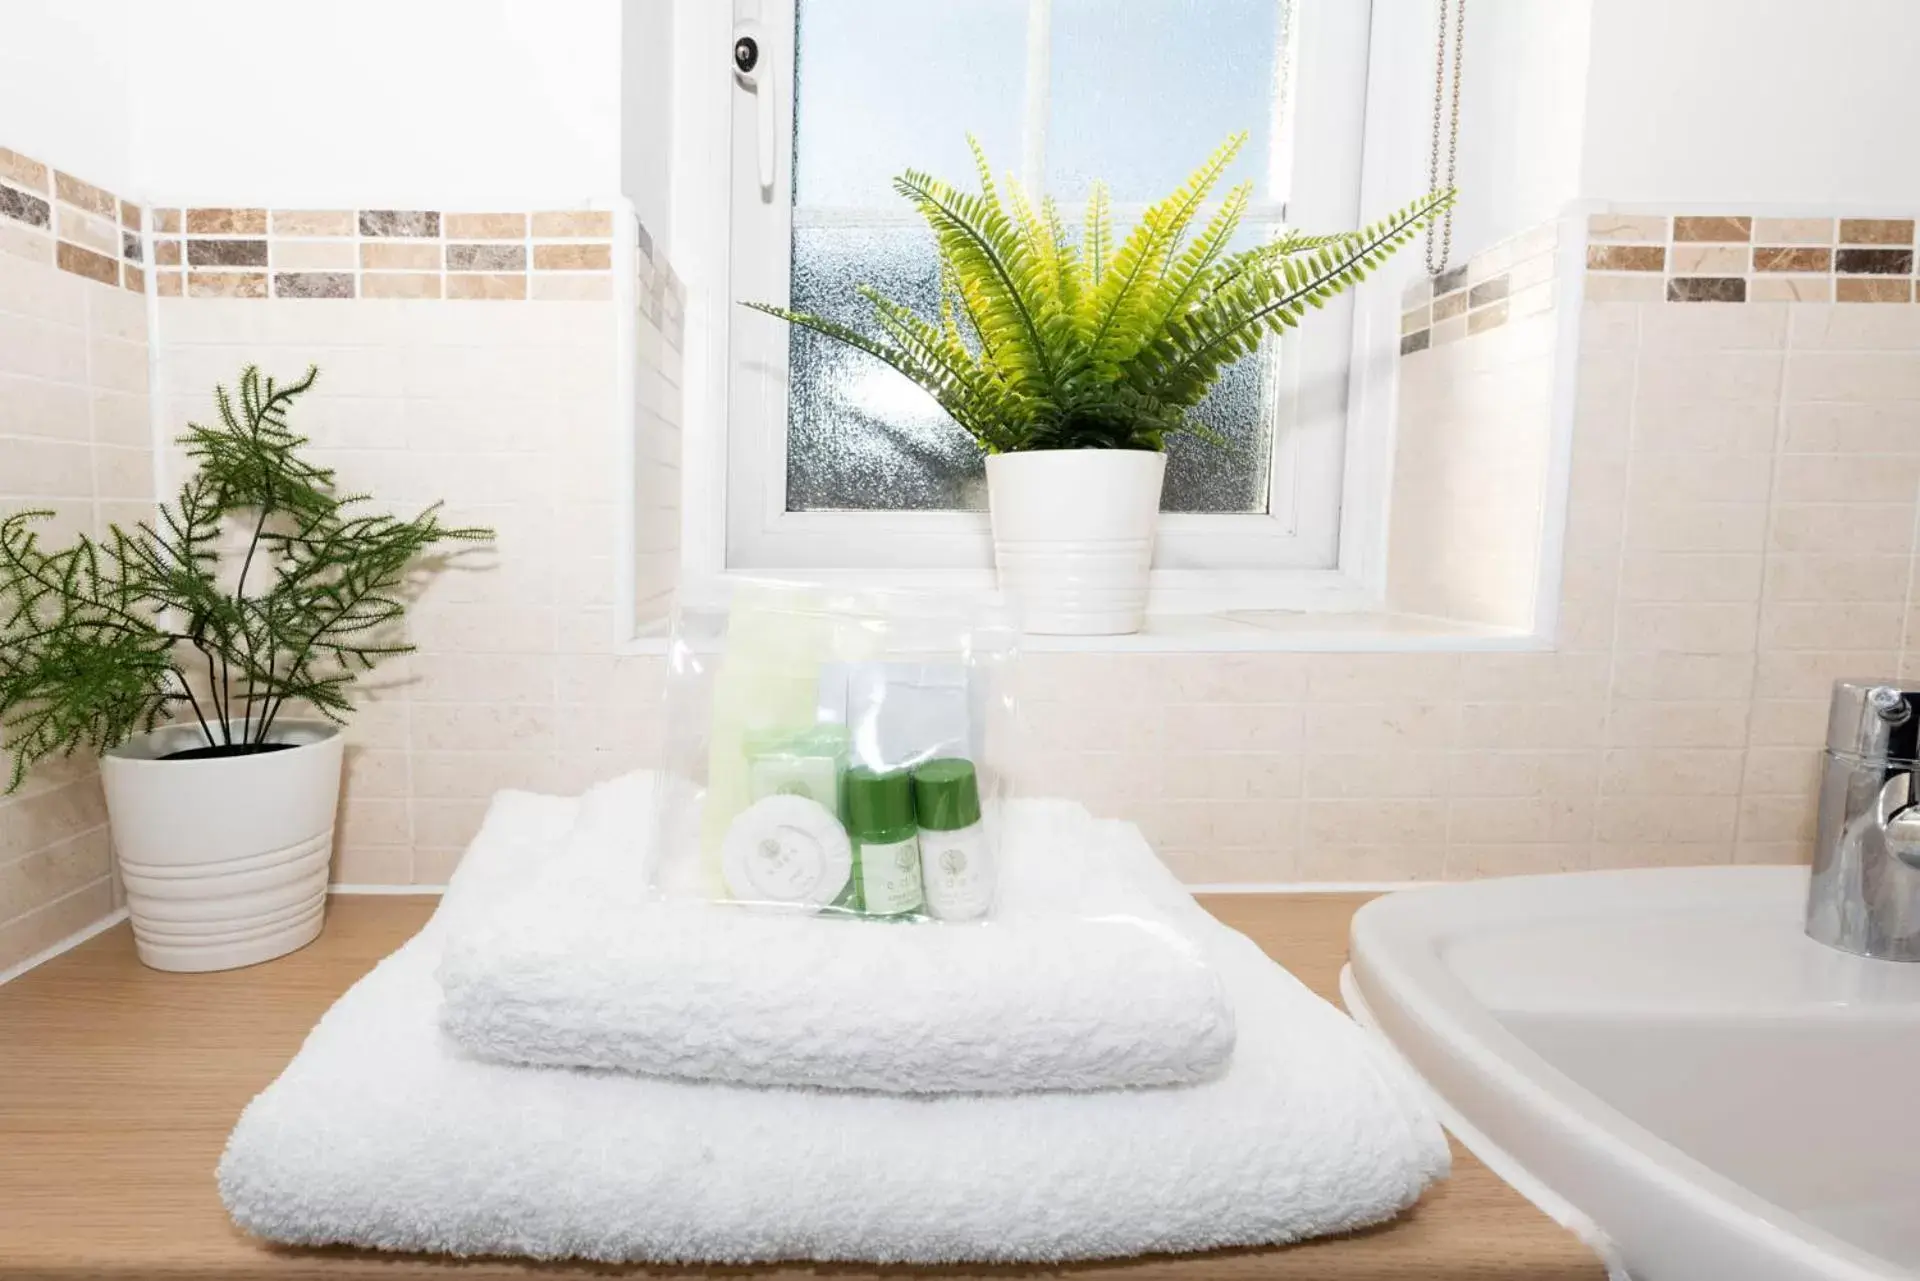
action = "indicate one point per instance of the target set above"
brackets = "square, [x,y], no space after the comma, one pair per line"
[1731,462]
[659,329]
[1472,449]
[1745,486]
[74,438]
[1474,435]
[504,413]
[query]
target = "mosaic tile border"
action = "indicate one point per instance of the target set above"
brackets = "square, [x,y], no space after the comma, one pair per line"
[52,217]
[1507,281]
[550,255]
[49,216]
[1638,257]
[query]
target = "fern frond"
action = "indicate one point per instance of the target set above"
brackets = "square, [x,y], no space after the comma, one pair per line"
[1096,235]
[1230,320]
[1187,276]
[928,374]
[995,274]
[981,402]
[1000,270]
[1068,272]
[1115,328]
[1039,342]
[1038,240]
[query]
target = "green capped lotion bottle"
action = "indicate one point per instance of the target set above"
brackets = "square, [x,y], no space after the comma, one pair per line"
[886,842]
[956,861]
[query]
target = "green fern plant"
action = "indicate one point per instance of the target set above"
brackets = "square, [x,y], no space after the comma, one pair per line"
[105,638]
[1048,341]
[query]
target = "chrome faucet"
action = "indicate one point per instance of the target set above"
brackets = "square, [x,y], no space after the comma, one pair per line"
[1865,894]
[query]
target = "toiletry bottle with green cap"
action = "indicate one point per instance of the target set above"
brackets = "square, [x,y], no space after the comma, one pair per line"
[955,859]
[886,841]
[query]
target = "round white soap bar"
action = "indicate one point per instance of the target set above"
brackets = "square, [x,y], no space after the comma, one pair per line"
[788,850]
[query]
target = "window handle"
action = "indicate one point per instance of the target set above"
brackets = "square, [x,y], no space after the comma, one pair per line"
[755,74]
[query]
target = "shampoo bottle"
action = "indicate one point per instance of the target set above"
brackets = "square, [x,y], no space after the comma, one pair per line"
[955,859]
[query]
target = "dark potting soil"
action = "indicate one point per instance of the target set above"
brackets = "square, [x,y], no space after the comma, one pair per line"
[225,749]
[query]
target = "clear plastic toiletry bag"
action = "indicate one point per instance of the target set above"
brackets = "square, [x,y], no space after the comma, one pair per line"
[837,751]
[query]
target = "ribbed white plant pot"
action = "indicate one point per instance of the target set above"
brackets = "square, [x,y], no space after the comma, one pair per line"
[224,859]
[1073,536]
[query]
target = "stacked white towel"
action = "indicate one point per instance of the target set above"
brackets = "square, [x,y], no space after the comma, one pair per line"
[384,1133]
[1078,983]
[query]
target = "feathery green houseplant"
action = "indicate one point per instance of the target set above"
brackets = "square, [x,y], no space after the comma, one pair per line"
[106,638]
[1045,341]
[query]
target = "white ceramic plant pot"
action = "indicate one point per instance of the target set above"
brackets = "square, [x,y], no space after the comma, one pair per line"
[224,859]
[1073,536]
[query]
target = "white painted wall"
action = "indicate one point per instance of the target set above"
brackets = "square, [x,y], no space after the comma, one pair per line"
[63,97]
[646,114]
[1523,100]
[1740,104]
[1753,102]
[408,103]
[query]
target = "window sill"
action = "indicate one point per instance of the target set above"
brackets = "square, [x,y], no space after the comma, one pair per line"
[1258,631]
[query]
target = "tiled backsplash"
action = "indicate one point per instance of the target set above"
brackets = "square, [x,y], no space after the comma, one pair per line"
[74,440]
[504,412]
[660,333]
[1472,461]
[1741,530]
[1745,488]
[1639,257]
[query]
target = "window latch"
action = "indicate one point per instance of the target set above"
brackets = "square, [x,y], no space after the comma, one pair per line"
[757,80]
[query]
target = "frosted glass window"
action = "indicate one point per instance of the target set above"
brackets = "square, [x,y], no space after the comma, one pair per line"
[883,85]
[859,436]
[1136,99]
[1135,92]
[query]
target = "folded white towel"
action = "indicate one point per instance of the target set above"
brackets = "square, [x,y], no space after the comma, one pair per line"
[381,1133]
[1078,983]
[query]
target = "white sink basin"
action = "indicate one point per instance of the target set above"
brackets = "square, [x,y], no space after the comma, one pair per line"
[1664,1061]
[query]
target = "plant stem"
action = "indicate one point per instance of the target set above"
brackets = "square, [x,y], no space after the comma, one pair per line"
[226,723]
[186,687]
[313,638]
[266,718]
[266,722]
[273,714]
[213,692]
[240,596]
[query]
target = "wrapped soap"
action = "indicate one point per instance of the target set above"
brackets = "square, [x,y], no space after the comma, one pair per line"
[810,763]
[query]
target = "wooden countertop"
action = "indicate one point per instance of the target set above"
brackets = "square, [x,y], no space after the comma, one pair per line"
[118,1085]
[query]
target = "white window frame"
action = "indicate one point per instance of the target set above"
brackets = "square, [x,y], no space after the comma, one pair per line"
[1206,563]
